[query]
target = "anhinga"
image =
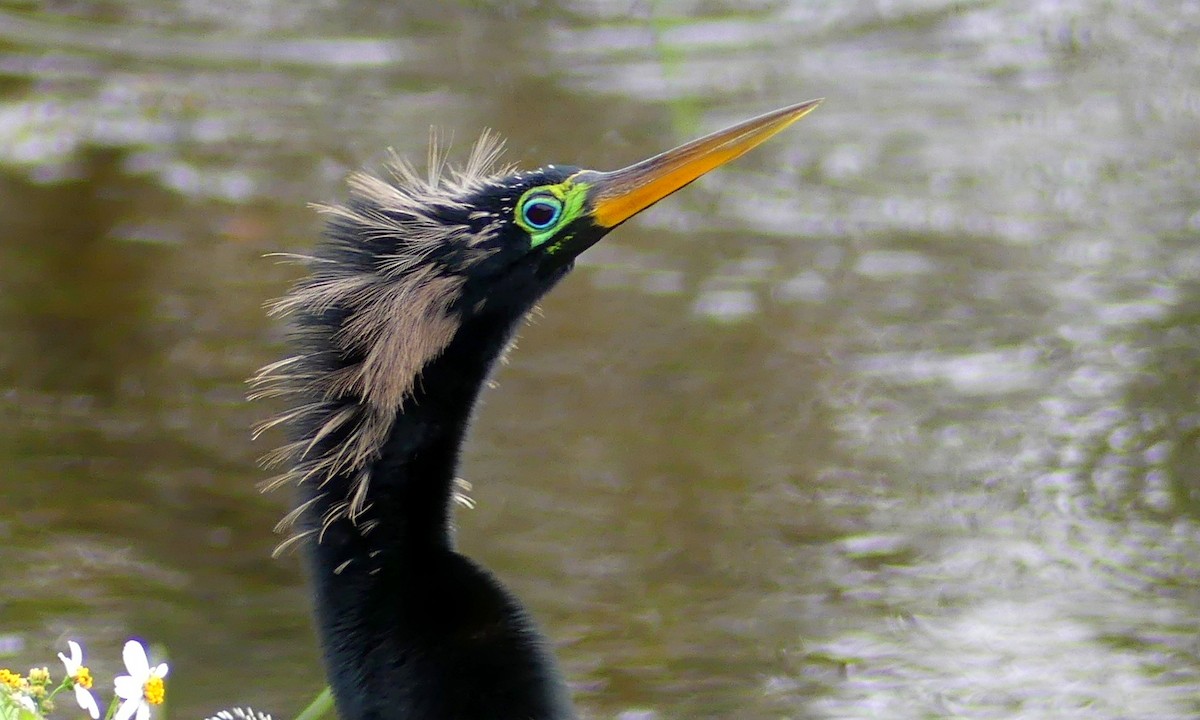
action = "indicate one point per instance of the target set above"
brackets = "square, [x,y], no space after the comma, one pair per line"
[410,299]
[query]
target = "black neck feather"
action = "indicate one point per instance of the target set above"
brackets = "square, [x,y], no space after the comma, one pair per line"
[409,627]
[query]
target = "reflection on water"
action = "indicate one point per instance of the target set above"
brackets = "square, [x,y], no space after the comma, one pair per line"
[896,419]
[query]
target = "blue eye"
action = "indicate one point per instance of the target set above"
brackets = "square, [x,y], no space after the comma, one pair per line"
[541,211]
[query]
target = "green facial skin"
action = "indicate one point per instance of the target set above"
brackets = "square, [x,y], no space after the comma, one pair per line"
[571,194]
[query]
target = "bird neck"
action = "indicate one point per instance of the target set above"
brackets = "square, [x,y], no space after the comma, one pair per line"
[410,628]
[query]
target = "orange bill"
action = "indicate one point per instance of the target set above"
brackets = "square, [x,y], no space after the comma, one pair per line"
[619,195]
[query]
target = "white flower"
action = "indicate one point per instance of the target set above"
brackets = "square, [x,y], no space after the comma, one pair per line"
[142,687]
[81,679]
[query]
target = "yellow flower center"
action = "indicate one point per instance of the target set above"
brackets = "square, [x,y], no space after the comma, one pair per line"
[10,678]
[83,678]
[39,676]
[154,691]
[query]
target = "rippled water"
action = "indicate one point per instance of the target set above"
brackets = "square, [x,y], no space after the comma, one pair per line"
[896,417]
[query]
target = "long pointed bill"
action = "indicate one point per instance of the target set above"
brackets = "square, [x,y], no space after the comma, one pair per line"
[619,195]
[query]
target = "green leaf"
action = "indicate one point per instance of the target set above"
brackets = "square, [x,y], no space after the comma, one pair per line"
[10,710]
[319,707]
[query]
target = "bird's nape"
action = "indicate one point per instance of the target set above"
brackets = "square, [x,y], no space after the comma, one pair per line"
[409,301]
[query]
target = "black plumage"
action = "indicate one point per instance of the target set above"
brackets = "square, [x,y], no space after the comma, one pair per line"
[411,298]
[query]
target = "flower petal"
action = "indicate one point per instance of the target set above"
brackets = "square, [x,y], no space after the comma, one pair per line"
[128,708]
[135,660]
[160,671]
[143,712]
[127,688]
[68,664]
[76,653]
[87,702]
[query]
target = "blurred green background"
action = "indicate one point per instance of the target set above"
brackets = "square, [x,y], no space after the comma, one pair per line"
[895,417]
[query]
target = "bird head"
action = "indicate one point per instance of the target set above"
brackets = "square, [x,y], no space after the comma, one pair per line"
[473,241]
[410,261]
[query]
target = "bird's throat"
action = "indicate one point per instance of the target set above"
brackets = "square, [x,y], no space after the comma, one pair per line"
[411,628]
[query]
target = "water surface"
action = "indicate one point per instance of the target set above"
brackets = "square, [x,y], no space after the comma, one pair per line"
[895,417]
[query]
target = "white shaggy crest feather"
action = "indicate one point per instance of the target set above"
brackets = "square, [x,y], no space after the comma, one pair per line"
[399,320]
[240,713]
